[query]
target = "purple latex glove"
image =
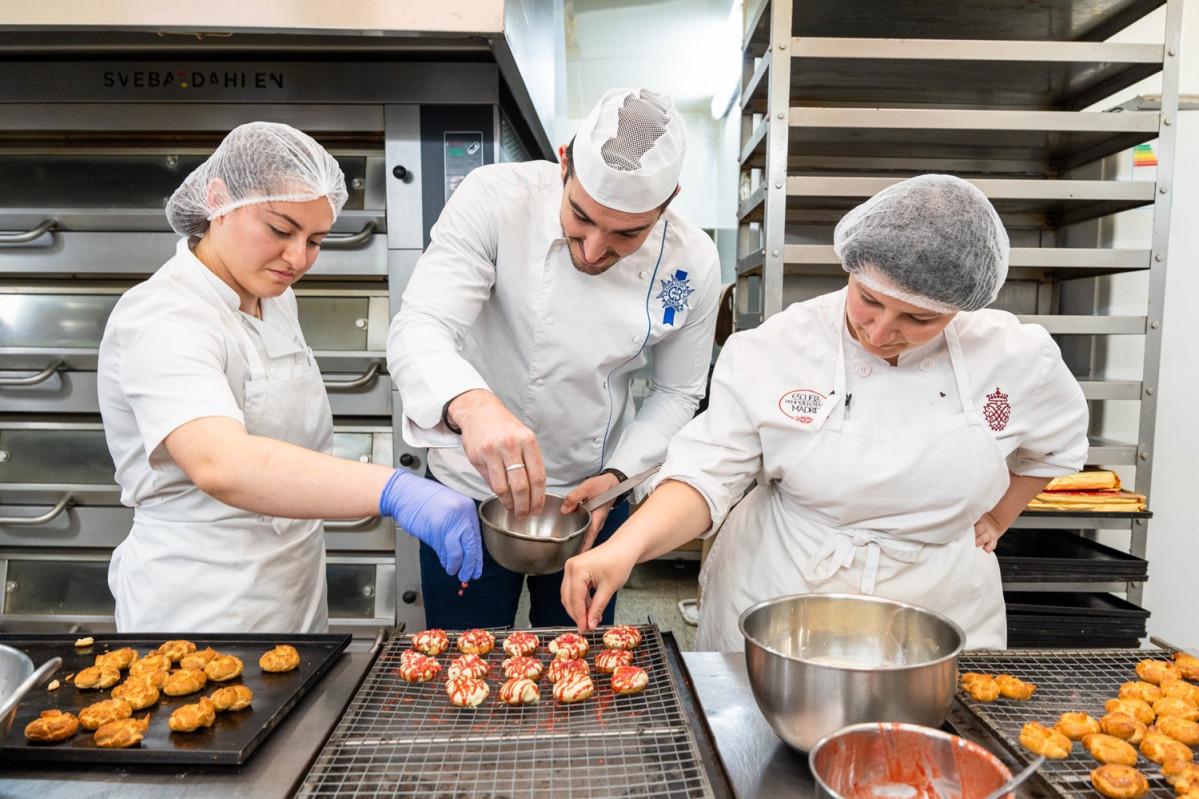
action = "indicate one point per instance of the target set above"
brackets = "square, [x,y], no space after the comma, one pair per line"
[439,516]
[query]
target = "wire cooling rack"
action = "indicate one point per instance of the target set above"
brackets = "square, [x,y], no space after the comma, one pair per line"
[406,739]
[1069,680]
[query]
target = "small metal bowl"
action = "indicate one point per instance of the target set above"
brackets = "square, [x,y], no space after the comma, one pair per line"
[903,761]
[538,544]
[819,662]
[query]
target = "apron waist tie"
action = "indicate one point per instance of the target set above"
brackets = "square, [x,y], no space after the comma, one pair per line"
[838,551]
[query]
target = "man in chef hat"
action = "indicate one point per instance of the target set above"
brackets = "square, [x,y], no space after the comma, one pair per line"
[545,289]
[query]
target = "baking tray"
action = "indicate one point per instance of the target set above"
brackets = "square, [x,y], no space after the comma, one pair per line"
[1069,680]
[1059,555]
[401,739]
[230,740]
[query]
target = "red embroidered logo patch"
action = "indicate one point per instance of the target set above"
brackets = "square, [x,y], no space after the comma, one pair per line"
[997,411]
[801,404]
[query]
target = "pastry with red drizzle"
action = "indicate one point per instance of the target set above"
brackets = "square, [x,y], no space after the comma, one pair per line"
[607,661]
[561,669]
[520,644]
[629,680]
[466,691]
[622,636]
[519,691]
[573,688]
[467,666]
[569,646]
[475,642]
[431,642]
[415,667]
[528,667]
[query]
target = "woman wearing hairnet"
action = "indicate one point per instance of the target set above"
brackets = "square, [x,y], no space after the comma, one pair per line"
[895,429]
[217,419]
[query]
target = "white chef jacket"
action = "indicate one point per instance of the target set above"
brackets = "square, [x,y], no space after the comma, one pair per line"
[174,350]
[495,303]
[767,390]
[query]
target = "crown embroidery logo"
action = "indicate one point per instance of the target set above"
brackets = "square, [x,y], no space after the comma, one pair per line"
[997,411]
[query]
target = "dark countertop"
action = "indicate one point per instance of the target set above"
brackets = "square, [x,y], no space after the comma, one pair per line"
[276,769]
[758,763]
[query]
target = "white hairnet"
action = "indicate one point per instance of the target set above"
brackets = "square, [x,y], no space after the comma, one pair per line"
[936,238]
[629,150]
[258,162]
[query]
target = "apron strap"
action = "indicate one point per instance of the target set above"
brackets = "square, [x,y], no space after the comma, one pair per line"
[838,551]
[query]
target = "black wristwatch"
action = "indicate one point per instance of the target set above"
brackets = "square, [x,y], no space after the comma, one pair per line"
[620,476]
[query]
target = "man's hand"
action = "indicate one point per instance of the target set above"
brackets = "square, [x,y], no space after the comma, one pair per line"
[502,449]
[591,487]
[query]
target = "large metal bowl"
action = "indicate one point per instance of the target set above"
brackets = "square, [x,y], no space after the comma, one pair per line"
[538,544]
[15,669]
[903,761]
[819,662]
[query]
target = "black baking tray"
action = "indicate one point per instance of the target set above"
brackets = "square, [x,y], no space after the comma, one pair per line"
[1070,603]
[1060,555]
[1063,619]
[230,740]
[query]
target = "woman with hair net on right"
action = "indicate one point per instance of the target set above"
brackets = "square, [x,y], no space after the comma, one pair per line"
[217,418]
[894,428]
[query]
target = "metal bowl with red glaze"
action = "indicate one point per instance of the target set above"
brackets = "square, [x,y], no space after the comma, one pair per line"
[864,761]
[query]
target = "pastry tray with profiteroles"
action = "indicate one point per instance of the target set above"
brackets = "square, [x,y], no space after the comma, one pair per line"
[231,739]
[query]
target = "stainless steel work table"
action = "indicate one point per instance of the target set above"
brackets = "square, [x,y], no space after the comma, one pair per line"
[758,763]
[276,769]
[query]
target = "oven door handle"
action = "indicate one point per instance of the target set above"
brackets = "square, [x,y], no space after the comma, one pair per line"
[352,241]
[32,521]
[33,380]
[29,235]
[348,524]
[358,382]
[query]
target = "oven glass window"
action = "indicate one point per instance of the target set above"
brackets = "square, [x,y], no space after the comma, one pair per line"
[58,588]
[46,321]
[334,323]
[55,456]
[351,590]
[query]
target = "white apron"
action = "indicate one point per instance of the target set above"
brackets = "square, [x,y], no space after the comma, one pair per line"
[924,485]
[245,572]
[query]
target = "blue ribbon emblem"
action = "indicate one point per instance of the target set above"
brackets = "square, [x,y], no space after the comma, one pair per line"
[676,290]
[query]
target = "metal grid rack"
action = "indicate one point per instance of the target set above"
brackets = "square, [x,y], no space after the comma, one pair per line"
[1071,680]
[406,739]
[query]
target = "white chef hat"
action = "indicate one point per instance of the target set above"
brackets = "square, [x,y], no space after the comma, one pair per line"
[628,152]
[258,162]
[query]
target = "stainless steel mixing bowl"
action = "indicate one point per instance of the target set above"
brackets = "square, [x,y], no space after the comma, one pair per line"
[903,761]
[15,669]
[819,662]
[538,544]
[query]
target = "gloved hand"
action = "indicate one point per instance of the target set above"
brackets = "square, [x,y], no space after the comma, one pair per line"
[439,516]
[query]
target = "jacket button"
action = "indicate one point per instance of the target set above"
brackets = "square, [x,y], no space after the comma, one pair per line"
[549,320]
[863,369]
[540,382]
[644,275]
[927,364]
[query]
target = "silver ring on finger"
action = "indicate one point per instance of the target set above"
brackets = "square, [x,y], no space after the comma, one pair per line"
[514,467]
